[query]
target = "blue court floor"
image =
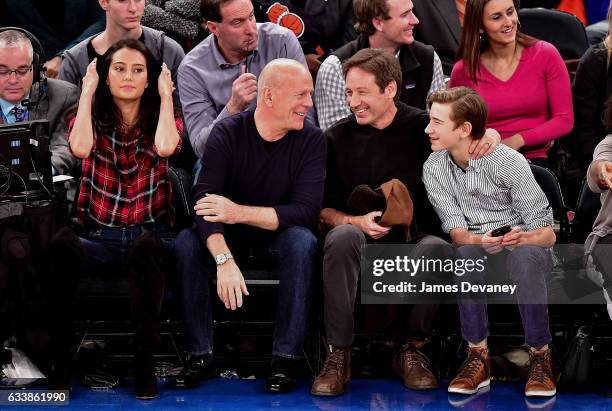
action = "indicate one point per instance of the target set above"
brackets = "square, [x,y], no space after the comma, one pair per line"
[380,395]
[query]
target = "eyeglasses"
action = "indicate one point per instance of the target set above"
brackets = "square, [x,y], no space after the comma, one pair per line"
[19,72]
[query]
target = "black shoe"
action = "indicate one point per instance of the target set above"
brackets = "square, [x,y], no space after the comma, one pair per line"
[60,381]
[195,370]
[145,381]
[281,378]
[145,387]
[60,377]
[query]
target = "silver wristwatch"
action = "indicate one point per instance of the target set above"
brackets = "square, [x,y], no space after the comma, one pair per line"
[221,259]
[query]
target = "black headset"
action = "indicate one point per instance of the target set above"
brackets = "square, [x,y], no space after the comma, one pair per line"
[38,55]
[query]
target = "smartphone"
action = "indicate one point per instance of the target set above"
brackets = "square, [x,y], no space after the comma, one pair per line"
[498,232]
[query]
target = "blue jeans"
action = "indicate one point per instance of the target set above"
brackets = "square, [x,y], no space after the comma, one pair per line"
[528,267]
[107,248]
[142,252]
[295,249]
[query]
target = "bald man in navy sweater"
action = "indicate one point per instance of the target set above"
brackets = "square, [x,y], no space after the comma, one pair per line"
[259,193]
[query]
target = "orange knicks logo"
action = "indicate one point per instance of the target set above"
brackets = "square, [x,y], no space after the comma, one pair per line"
[280,14]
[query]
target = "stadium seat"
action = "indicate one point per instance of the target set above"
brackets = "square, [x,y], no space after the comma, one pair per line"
[551,188]
[587,208]
[181,182]
[561,29]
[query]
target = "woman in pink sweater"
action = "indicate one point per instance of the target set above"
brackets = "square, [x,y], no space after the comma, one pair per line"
[523,80]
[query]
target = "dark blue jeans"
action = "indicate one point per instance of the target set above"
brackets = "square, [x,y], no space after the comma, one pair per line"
[107,248]
[141,252]
[295,249]
[528,267]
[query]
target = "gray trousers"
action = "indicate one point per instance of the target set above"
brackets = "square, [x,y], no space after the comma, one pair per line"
[341,267]
[603,260]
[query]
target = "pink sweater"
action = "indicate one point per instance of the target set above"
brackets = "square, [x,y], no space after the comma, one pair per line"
[535,102]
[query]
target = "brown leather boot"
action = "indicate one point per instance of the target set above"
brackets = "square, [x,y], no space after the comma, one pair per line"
[336,373]
[414,368]
[541,380]
[474,374]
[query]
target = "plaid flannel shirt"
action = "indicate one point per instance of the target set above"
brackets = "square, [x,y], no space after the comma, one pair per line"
[124,181]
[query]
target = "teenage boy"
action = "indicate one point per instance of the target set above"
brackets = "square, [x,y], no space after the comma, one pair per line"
[474,197]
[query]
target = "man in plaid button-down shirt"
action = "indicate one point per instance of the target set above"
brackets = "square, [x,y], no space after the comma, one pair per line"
[421,67]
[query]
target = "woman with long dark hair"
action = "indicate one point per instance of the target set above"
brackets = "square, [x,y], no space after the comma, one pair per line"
[523,80]
[124,130]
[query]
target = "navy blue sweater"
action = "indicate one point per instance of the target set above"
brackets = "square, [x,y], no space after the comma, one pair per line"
[287,175]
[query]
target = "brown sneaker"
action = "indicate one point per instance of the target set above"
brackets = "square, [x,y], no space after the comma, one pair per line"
[541,380]
[335,374]
[414,368]
[474,374]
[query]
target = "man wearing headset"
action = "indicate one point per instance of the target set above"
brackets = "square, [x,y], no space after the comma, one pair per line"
[25,96]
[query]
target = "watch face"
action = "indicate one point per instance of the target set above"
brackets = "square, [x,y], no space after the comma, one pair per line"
[221,258]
